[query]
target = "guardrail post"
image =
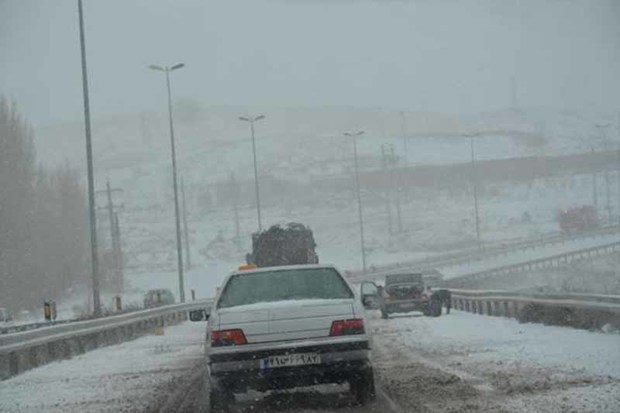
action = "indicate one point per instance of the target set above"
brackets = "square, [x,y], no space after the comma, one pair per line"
[496,310]
[515,309]
[5,366]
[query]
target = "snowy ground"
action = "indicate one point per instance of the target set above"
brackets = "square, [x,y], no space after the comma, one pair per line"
[123,377]
[460,362]
[467,362]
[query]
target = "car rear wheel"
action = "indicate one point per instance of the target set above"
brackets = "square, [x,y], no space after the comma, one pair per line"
[363,386]
[384,314]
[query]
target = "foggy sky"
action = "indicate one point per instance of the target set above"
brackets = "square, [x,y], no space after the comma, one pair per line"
[452,56]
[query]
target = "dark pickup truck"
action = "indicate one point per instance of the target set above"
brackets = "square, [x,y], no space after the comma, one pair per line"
[402,293]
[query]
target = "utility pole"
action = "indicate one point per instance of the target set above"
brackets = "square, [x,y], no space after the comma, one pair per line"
[386,188]
[396,187]
[359,196]
[594,186]
[143,129]
[188,262]
[94,257]
[513,93]
[474,180]
[404,132]
[602,128]
[119,252]
[116,250]
[115,246]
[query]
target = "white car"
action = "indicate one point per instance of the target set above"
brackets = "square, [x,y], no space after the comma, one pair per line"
[285,327]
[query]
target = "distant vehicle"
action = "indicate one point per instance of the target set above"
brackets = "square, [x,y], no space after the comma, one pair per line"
[402,293]
[285,327]
[154,298]
[5,315]
[291,244]
[578,219]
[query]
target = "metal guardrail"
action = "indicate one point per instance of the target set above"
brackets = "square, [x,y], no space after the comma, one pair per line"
[530,265]
[22,351]
[513,304]
[471,255]
[31,326]
[499,294]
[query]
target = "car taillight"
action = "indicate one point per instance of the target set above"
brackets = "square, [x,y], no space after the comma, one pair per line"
[347,327]
[221,338]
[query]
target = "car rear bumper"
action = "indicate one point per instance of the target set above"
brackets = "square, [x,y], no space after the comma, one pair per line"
[404,306]
[339,362]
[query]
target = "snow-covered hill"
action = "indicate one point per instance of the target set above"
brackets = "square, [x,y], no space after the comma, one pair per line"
[297,147]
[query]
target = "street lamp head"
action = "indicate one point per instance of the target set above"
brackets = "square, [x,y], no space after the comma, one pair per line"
[155,67]
[243,118]
[358,133]
[259,117]
[177,66]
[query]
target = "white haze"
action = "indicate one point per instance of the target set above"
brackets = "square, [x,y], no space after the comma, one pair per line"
[442,56]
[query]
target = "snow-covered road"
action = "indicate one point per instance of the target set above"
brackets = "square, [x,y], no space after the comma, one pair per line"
[468,362]
[460,362]
[124,377]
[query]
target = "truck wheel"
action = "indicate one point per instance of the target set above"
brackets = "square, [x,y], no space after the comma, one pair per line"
[363,386]
[220,401]
[436,308]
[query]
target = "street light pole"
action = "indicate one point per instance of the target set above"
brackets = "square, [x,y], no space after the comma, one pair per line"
[94,257]
[251,121]
[167,70]
[359,196]
[474,179]
[188,261]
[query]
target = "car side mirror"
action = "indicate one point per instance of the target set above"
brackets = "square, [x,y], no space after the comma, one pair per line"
[198,315]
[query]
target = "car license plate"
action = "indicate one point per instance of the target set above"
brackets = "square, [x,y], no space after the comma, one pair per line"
[290,360]
[407,305]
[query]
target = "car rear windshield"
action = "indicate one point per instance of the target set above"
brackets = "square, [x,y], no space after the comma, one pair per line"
[282,285]
[403,278]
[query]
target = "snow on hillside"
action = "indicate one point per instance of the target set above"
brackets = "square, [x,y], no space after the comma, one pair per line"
[301,145]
